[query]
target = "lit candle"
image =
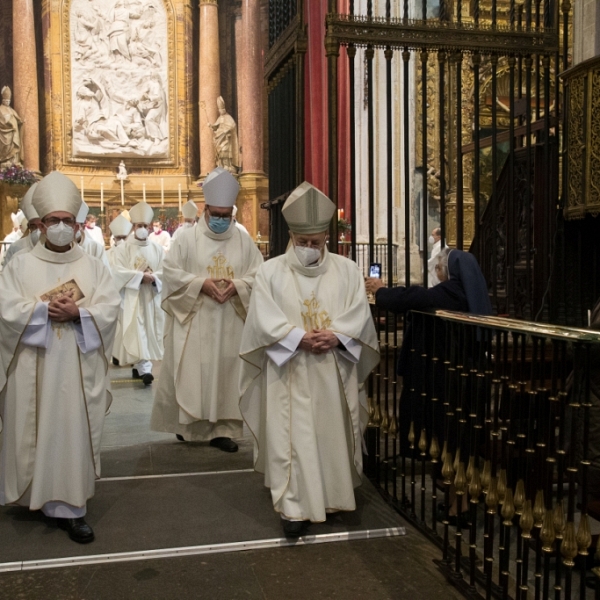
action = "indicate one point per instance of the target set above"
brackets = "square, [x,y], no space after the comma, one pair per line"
[179,197]
[82,190]
[162,192]
[101,197]
[342,211]
[122,194]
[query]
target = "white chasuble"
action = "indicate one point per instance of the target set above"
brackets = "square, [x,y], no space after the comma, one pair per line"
[308,415]
[197,394]
[140,331]
[55,391]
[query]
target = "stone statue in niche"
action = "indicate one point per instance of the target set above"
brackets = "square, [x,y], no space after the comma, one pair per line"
[11,132]
[122,172]
[225,139]
[119,78]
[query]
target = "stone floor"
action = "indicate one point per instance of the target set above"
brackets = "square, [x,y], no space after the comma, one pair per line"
[157,493]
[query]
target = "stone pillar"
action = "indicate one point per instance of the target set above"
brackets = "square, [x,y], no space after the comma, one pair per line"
[25,84]
[586,30]
[250,83]
[209,81]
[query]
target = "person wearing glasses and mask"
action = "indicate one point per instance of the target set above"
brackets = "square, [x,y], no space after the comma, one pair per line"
[208,276]
[137,271]
[32,233]
[308,346]
[58,313]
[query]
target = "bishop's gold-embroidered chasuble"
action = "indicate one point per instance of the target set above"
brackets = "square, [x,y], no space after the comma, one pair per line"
[53,399]
[307,415]
[197,395]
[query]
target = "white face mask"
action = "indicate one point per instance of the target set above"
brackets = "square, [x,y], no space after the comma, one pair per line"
[187,225]
[141,234]
[118,242]
[60,235]
[431,240]
[307,256]
[156,229]
[35,236]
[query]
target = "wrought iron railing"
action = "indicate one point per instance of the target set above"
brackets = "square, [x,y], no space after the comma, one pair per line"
[495,413]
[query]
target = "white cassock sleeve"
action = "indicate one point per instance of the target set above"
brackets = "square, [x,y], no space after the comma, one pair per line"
[285,349]
[37,332]
[86,334]
[157,285]
[135,282]
[352,349]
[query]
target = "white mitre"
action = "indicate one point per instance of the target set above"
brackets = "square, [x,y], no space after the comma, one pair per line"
[56,193]
[83,212]
[16,218]
[189,210]
[125,214]
[120,226]
[308,210]
[141,213]
[220,188]
[27,206]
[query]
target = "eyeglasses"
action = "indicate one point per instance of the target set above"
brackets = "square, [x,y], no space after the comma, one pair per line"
[51,221]
[229,216]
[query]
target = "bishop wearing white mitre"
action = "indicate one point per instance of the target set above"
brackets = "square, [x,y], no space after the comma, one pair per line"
[88,243]
[31,234]
[208,277]
[137,270]
[308,347]
[58,313]
[189,212]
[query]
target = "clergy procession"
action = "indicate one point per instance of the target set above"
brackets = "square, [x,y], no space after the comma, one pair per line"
[224,340]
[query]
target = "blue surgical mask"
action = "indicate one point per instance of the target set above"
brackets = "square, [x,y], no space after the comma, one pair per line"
[219,224]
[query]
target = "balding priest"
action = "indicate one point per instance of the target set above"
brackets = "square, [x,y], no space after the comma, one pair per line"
[58,313]
[308,347]
[137,270]
[208,277]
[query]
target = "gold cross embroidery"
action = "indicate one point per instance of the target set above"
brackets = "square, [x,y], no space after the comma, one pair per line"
[220,269]
[314,318]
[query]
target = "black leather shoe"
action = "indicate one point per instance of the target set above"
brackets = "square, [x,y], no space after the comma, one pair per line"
[79,531]
[147,378]
[292,529]
[179,437]
[224,443]
[115,361]
[135,374]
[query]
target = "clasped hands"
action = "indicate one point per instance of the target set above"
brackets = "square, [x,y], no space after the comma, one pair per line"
[63,309]
[148,277]
[319,341]
[220,293]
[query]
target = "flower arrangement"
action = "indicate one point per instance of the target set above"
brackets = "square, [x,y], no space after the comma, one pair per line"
[16,175]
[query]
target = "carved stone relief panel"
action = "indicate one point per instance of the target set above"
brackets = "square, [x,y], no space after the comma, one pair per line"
[119,87]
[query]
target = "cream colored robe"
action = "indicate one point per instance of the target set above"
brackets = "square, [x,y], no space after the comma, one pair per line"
[52,400]
[308,415]
[197,395]
[142,320]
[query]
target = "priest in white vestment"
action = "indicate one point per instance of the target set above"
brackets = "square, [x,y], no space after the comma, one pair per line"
[92,230]
[58,312]
[86,240]
[30,226]
[308,347]
[120,228]
[208,277]
[159,236]
[14,235]
[137,271]
[190,213]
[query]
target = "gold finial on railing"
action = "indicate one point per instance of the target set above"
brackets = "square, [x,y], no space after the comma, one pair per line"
[460,480]
[526,520]
[539,509]
[502,485]
[470,468]
[584,535]
[434,450]
[559,520]
[385,422]
[475,486]
[377,415]
[568,548]
[519,498]
[411,435]
[508,507]
[456,460]
[423,442]
[491,499]
[394,427]
[448,469]
[486,476]
[547,534]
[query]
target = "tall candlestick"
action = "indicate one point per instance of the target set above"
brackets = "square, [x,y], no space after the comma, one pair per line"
[144,191]
[82,190]
[179,197]
[122,194]
[101,197]
[162,192]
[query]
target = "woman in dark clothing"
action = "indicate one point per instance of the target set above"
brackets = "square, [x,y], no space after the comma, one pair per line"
[462,288]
